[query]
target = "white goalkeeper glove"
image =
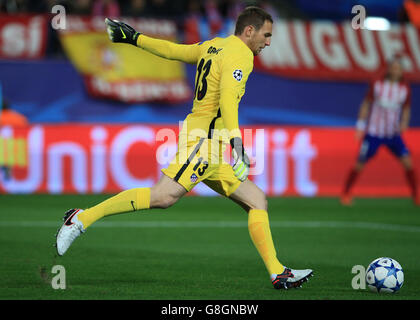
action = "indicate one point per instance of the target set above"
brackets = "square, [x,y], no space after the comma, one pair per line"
[241,161]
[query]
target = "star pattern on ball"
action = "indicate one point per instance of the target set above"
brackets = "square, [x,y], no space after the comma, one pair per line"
[391,269]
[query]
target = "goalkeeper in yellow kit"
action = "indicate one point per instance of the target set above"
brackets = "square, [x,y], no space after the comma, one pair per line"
[223,67]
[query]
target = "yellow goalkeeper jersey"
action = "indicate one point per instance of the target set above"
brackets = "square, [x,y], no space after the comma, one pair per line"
[223,67]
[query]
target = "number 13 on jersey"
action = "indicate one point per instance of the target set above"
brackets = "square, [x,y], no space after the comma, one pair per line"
[203,71]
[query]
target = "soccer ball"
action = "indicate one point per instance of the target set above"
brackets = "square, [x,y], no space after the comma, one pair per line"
[384,275]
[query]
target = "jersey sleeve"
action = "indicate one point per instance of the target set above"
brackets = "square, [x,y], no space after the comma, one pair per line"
[234,74]
[170,50]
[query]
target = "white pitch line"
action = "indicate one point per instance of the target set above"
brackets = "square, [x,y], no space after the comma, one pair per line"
[224,224]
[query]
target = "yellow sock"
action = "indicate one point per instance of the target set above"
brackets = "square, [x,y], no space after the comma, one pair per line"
[259,230]
[126,201]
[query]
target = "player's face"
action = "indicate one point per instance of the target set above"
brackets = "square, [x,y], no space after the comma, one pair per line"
[261,38]
[395,70]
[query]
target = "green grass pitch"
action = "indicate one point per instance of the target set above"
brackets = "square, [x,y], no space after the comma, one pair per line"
[200,249]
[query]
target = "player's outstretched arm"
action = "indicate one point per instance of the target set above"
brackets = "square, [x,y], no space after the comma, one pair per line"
[121,32]
[362,118]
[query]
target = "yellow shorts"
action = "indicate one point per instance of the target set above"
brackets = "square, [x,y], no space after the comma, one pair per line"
[202,161]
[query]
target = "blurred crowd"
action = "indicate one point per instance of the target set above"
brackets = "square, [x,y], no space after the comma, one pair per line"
[213,9]
[187,14]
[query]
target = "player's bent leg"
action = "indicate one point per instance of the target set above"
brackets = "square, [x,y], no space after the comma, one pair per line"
[346,198]
[254,201]
[397,146]
[125,201]
[249,196]
[406,162]
[411,177]
[368,149]
[76,221]
[166,192]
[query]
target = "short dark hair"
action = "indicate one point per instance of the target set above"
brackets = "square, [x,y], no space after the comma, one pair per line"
[254,16]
